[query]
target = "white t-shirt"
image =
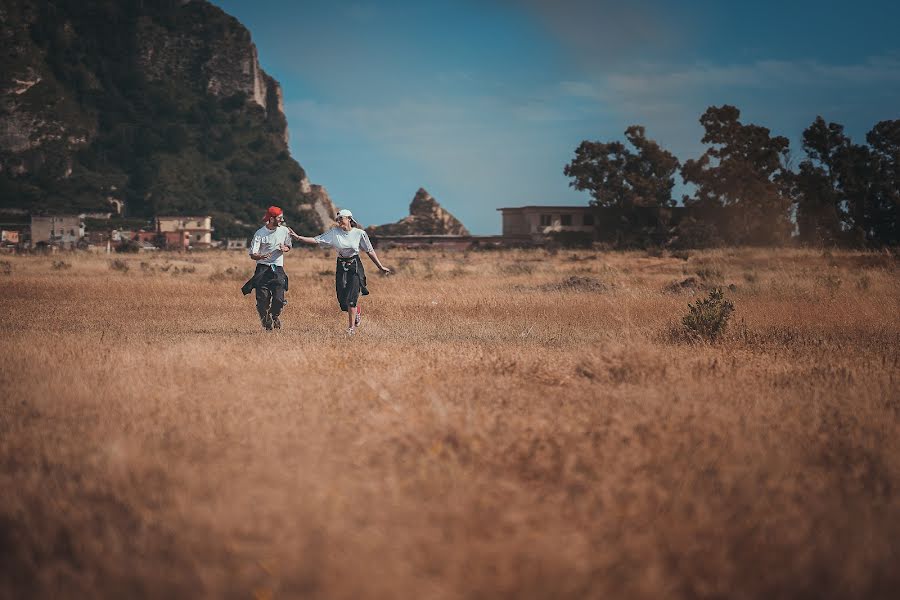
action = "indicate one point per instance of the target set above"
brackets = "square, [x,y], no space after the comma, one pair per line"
[347,243]
[267,240]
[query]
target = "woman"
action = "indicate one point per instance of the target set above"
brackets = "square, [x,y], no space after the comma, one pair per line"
[350,276]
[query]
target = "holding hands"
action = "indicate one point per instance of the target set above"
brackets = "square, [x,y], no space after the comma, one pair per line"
[300,238]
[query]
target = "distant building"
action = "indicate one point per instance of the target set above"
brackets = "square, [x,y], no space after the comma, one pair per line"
[97,238]
[14,225]
[236,244]
[540,221]
[182,233]
[61,231]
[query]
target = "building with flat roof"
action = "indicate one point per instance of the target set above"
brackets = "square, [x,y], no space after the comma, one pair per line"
[541,221]
[61,231]
[183,233]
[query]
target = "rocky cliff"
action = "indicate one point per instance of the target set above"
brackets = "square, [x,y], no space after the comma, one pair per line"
[161,104]
[426,217]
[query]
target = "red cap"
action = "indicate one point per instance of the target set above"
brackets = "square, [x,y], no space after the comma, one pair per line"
[273,211]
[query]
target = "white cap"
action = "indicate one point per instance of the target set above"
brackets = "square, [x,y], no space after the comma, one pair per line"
[344,213]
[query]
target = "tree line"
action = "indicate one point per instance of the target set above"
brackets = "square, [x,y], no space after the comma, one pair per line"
[746,188]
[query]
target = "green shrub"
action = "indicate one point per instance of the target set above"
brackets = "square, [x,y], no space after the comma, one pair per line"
[707,318]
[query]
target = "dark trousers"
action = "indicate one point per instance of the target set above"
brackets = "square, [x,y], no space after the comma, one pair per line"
[270,287]
[349,281]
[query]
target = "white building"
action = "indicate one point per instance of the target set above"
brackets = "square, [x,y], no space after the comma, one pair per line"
[62,231]
[185,232]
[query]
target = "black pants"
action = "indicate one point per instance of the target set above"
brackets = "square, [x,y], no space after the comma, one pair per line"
[270,287]
[349,281]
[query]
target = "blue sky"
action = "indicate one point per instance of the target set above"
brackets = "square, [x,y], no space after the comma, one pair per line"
[483,103]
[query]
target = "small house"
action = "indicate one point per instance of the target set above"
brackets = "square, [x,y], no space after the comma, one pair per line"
[60,231]
[183,233]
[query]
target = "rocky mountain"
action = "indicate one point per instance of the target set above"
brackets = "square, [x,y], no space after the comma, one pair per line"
[426,217]
[161,104]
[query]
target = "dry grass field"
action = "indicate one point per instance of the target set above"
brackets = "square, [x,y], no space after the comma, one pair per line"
[497,429]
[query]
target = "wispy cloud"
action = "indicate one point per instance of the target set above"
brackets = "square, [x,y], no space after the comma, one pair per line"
[761,75]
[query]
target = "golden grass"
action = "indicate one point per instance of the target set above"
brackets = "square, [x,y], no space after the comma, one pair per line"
[495,429]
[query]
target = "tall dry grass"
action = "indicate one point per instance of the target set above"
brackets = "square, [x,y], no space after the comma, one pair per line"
[505,424]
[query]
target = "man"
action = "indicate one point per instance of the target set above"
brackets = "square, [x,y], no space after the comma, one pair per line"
[270,243]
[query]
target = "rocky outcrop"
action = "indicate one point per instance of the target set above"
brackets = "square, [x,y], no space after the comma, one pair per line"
[162,100]
[426,217]
[317,202]
[33,111]
[220,60]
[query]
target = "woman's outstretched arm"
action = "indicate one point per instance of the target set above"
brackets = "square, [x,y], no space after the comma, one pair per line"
[377,262]
[301,238]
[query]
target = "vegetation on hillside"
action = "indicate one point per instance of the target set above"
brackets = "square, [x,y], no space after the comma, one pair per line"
[164,146]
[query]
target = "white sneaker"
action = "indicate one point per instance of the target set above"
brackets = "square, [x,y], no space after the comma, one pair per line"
[351,331]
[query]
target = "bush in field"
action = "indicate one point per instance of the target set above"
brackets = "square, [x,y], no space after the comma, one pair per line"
[129,247]
[707,318]
[118,265]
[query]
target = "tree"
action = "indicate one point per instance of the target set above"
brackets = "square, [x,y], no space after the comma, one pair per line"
[856,182]
[745,172]
[849,192]
[617,177]
[821,211]
[884,140]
